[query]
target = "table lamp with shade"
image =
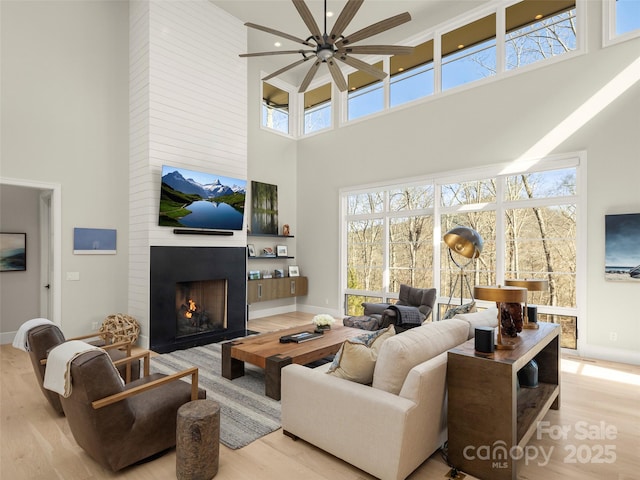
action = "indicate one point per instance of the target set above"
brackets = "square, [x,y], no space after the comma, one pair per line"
[500,295]
[468,243]
[532,285]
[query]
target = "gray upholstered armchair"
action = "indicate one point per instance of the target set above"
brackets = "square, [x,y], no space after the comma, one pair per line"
[421,299]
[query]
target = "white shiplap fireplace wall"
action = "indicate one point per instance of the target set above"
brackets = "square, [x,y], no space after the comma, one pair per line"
[188,108]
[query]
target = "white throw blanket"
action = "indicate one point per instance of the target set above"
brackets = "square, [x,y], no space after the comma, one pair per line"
[20,340]
[57,375]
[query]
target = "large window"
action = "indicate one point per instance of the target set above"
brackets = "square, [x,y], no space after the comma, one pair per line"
[366,94]
[538,30]
[393,235]
[469,52]
[317,109]
[412,75]
[627,16]
[275,108]
[621,20]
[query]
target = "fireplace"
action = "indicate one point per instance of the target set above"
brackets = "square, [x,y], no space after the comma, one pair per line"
[197,296]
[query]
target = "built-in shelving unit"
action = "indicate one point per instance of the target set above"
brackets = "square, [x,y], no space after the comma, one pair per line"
[272,288]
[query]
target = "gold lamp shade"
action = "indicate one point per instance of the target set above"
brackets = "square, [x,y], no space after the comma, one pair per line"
[464,241]
[532,285]
[500,294]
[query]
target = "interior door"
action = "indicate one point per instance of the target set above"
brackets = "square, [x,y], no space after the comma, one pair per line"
[46,255]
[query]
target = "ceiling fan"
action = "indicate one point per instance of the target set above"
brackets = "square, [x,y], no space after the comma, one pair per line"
[327,48]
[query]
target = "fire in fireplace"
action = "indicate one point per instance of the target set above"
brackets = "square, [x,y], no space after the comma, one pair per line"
[200,307]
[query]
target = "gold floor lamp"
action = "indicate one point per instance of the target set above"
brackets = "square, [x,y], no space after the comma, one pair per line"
[532,285]
[500,294]
[468,243]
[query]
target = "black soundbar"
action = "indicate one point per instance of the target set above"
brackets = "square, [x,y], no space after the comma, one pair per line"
[187,231]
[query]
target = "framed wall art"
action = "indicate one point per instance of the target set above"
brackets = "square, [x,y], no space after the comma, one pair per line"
[13,252]
[622,248]
[94,241]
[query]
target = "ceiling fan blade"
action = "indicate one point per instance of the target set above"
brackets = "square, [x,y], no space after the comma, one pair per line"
[363,66]
[279,33]
[377,50]
[288,67]
[375,29]
[345,17]
[338,78]
[280,52]
[309,76]
[308,19]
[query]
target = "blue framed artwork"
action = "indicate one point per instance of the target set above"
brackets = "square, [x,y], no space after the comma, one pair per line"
[13,252]
[622,249]
[94,241]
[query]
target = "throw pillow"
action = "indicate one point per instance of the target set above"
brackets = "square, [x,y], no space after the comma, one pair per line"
[466,308]
[356,359]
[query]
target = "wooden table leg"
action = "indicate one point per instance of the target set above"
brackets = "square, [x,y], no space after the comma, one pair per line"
[231,368]
[272,379]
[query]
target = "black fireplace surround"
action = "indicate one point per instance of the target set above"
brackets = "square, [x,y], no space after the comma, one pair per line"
[171,265]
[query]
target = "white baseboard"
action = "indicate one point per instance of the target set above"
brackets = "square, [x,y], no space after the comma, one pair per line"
[267,312]
[318,310]
[7,337]
[610,354]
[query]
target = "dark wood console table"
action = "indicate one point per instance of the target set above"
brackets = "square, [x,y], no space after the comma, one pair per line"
[486,408]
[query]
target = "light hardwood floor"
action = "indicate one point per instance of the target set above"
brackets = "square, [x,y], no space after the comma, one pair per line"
[36,444]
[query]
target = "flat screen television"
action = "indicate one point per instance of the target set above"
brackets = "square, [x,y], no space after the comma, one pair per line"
[199,200]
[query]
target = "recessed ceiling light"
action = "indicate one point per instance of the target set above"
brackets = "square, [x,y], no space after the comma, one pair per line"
[401,69]
[538,17]
[460,46]
[277,44]
[329,14]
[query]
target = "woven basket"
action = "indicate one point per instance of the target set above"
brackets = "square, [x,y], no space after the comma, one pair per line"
[120,328]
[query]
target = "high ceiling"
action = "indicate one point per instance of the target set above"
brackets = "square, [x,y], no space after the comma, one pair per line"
[282,15]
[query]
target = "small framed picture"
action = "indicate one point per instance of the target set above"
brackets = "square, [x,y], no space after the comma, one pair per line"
[278,273]
[251,250]
[254,274]
[13,252]
[282,251]
[294,271]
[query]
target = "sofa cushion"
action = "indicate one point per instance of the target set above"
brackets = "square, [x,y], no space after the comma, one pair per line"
[357,356]
[399,354]
[466,308]
[483,318]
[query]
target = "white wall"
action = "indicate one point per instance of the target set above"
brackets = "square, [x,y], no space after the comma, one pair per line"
[20,291]
[493,123]
[189,109]
[64,121]
[272,159]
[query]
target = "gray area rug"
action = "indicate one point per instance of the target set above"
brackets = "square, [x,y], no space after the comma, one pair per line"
[246,414]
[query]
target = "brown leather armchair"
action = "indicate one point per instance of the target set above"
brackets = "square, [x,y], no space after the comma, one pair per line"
[43,338]
[120,425]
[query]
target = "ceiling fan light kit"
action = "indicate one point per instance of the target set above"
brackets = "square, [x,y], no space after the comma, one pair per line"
[326,48]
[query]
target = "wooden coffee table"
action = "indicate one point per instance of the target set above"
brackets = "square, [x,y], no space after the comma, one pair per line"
[266,351]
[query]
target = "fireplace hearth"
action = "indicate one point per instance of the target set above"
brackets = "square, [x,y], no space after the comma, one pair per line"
[197,296]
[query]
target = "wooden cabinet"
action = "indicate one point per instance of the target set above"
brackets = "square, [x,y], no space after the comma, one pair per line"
[276,288]
[488,413]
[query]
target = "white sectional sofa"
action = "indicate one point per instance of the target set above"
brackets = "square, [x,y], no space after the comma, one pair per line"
[391,427]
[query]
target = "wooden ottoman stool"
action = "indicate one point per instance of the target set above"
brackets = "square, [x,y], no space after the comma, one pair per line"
[197,440]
